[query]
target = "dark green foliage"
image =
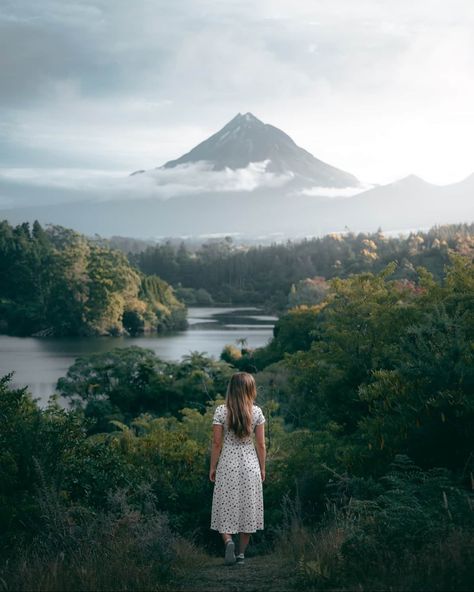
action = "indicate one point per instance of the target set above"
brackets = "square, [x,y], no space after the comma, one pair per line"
[390,364]
[29,438]
[127,545]
[133,322]
[410,530]
[193,297]
[296,330]
[57,282]
[125,382]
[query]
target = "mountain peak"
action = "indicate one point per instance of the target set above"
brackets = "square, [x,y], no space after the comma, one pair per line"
[246,139]
[249,117]
[412,180]
[246,119]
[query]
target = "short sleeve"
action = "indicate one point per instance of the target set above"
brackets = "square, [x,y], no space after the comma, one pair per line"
[260,417]
[218,418]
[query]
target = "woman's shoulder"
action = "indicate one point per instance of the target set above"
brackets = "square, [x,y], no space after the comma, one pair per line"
[219,414]
[258,415]
[223,407]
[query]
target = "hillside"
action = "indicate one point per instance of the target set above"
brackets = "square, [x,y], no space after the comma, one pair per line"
[57,282]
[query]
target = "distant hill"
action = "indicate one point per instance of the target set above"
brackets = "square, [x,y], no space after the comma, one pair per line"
[405,204]
[411,202]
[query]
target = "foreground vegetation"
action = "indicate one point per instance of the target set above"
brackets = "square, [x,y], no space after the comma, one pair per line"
[369,400]
[54,281]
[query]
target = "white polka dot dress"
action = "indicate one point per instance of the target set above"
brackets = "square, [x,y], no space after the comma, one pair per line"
[237,502]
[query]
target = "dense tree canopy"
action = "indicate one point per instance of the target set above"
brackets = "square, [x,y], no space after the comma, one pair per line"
[122,383]
[388,365]
[265,275]
[57,282]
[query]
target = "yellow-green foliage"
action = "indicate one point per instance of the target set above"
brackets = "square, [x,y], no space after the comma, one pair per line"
[57,282]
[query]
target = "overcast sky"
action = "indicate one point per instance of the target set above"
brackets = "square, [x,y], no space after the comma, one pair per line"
[379,88]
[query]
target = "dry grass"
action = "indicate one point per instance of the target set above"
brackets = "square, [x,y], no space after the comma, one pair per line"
[320,561]
[78,549]
[130,550]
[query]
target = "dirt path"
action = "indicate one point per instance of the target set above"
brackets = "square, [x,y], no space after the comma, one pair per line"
[259,573]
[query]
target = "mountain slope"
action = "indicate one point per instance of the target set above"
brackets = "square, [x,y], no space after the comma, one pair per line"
[246,139]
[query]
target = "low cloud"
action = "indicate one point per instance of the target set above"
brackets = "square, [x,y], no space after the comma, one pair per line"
[200,177]
[334,192]
[25,187]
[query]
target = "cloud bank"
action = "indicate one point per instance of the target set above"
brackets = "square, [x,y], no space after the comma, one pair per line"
[333,192]
[43,187]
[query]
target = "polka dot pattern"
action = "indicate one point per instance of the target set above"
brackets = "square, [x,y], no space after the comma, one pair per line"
[237,502]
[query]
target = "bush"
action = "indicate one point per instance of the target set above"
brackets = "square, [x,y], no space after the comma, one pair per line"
[119,548]
[231,354]
[413,532]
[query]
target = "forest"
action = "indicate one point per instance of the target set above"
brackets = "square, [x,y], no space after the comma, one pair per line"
[56,282]
[225,272]
[368,392]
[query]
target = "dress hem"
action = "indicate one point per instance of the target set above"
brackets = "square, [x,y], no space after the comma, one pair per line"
[236,531]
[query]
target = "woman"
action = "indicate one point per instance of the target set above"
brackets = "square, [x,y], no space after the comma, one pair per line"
[237,465]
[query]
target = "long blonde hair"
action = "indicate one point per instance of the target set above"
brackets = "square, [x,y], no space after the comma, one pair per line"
[241,393]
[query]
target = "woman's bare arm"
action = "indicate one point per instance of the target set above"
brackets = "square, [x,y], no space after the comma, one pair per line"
[260,447]
[217,432]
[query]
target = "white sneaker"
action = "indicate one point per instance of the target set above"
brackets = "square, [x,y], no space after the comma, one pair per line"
[240,558]
[229,552]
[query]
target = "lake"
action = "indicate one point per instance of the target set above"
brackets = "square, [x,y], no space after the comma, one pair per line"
[38,362]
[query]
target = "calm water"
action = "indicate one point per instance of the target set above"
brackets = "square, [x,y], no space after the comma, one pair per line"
[39,362]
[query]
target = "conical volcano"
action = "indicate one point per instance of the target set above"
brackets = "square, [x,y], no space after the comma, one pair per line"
[246,139]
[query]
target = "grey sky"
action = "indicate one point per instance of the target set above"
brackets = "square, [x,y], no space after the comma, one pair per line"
[376,87]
